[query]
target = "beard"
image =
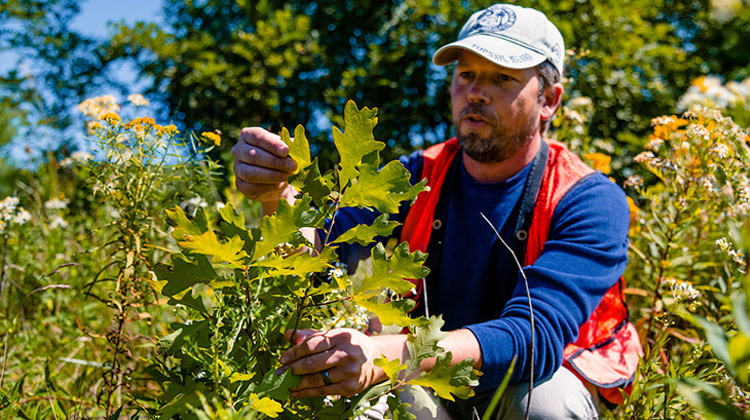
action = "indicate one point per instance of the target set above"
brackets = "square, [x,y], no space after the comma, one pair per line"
[500,144]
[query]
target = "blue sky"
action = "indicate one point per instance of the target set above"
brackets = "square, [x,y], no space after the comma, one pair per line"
[95,14]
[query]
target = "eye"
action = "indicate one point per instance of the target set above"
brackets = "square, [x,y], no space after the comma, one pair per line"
[501,77]
[466,75]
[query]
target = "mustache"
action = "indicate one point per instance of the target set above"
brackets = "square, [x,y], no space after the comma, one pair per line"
[476,109]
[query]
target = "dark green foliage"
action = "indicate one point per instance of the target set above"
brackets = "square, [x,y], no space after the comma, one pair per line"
[229,64]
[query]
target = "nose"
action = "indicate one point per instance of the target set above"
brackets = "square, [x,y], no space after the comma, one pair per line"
[477,94]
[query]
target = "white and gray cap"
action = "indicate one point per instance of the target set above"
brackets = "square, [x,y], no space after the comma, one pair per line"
[508,35]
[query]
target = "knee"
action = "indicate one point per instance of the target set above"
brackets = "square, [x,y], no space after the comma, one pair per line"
[564,396]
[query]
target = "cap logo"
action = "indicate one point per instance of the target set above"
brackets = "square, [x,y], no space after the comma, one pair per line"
[495,18]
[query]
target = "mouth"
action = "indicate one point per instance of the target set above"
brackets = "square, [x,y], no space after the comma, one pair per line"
[474,119]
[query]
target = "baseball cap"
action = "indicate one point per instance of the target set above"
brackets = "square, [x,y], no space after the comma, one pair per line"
[508,35]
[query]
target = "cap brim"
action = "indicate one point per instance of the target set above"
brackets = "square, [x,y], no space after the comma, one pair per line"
[499,51]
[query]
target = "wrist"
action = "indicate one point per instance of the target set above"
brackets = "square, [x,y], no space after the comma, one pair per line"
[287,193]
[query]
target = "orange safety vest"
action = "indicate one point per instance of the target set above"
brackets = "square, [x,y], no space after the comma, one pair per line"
[607,350]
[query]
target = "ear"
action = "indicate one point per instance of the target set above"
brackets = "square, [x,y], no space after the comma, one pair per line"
[551,101]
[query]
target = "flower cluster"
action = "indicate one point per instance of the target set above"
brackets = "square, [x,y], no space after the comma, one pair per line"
[137,99]
[682,290]
[709,91]
[55,207]
[12,213]
[737,256]
[213,137]
[96,107]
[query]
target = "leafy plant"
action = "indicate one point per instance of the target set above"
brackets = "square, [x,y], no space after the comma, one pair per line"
[683,267]
[240,290]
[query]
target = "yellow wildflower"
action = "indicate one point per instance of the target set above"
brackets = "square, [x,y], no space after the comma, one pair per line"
[599,161]
[214,137]
[700,83]
[168,130]
[110,117]
[634,210]
[139,122]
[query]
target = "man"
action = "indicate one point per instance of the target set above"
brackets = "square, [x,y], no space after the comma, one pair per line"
[566,223]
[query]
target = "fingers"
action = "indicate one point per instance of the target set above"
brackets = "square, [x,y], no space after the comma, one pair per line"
[344,381]
[261,164]
[258,156]
[308,343]
[262,138]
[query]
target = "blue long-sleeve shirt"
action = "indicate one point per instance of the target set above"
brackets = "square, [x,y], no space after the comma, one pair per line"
[584,255]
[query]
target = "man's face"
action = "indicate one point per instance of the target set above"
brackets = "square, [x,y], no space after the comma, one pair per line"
[496,110]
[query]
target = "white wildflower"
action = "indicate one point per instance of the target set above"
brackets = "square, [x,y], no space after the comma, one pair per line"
[682,290]
[698,132]
[95,107]
[58,222]
[720,151]
[723,244]
[634,181]
[56,204]
[197,202]
[644,157]
[21,217]
[137,99]
[8,206]
[79,156]
[654,144]
[707,182]
[664,120]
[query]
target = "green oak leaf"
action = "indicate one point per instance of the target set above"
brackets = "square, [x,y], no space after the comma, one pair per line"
[422,400]
[383,189]
[739,353]
[391,272]
[447,380]
[265,405]
[389,313]
[399,409]
[318,186]
[300,264]
[208,244]
[231,216]
[184,274]
[277,386]
[183,226]
[356,141]
[364,234]
[197,332]
[283,226]
[299,148]
[390,367]
[423,343]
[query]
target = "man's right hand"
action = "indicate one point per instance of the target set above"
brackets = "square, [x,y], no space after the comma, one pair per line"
[262,166]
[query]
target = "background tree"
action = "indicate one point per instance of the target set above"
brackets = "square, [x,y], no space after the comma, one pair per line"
[231,63]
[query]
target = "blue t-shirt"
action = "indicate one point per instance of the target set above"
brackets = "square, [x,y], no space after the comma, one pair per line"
[584,255]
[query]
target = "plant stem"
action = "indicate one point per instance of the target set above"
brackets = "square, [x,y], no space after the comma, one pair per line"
[5,355]
[662,263]
[531,312]
[2,265]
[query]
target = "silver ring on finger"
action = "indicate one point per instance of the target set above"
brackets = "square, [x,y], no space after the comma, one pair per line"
[326,377]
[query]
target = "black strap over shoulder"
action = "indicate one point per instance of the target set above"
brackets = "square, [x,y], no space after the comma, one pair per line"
[522,214]
[528,199]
